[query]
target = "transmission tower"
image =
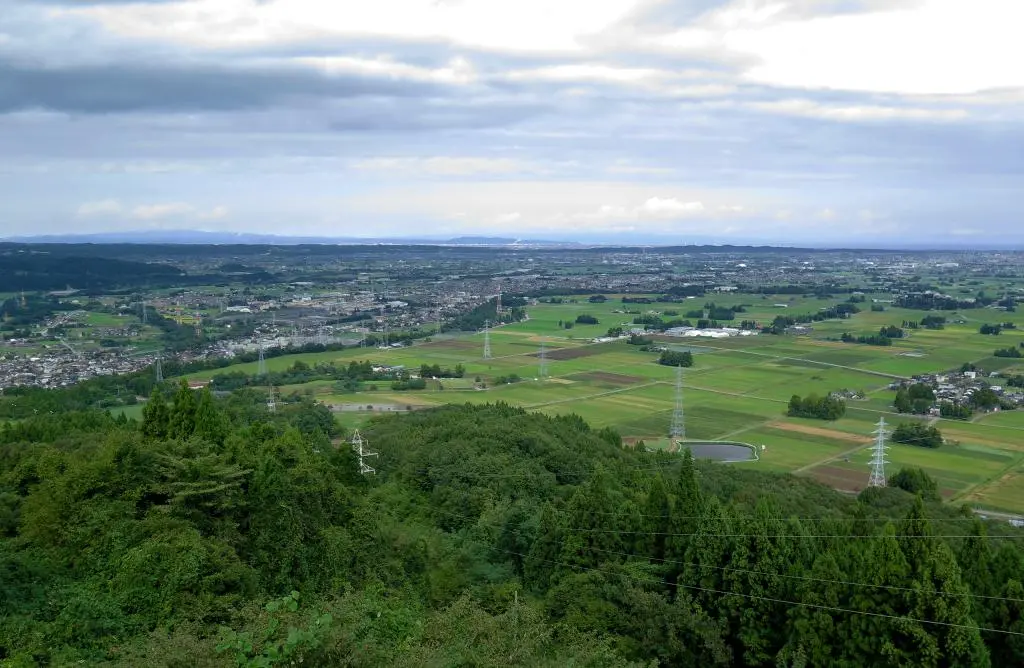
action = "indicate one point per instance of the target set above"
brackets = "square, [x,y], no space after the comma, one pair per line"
[497,305]
[145,316]
[542,365]
[159,370]
[272,400]
[359,446]
[678,429]
[261,366]
[487,339]
[384,324]
[878,456]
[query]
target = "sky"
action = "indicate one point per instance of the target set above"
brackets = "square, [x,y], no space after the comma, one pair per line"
[816,122]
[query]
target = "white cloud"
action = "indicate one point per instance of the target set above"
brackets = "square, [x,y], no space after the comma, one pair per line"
[457,71]
[514,25]
[216,213]
[449,165]
[937,47]
[670,206]
[158,211]
[812,109]
[107,207]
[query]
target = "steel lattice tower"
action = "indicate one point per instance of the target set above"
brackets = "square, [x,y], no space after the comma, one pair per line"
[878,461]
[542,365]
[272,401]
[261,366]
[487,339]
[159,370]
[678,428]
[358,445]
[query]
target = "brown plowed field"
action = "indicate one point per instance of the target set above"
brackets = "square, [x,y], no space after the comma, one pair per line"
[573,353]
[841,478]
[819,431]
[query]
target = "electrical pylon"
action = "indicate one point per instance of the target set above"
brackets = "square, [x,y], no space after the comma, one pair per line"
[159,370]
[487,339]
[542,364]
[497,305]
[878,461]
[272,400]
[359,446]
[678,428]
[261,366]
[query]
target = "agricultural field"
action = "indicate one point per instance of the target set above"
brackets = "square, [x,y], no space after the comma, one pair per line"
[738,388]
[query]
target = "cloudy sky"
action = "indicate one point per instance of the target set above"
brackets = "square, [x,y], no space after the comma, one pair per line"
[791,121]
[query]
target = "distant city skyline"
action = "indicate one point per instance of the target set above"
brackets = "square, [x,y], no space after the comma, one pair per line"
[868,123]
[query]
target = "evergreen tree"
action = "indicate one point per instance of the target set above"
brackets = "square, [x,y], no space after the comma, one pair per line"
[707,555]
[594,519]
[155,416]
[762,551]
[976,566]
[209,422]
[1008,615]
[541,565]
[183,412]
[816,632]
[656,519]
[685,514]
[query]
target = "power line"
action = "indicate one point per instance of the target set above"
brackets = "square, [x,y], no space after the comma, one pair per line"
[878,460]
[760,598]
[677,432]
[752,572]
[358,443]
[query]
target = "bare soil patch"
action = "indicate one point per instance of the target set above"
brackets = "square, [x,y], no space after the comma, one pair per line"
[819,431]
[573,353]
[840,478]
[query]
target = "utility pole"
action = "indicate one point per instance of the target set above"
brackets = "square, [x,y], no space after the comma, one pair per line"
[487,339]
[542,366]
[678,429]
[359,446]
[878,456]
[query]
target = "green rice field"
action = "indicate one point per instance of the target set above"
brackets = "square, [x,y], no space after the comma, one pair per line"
[738,388]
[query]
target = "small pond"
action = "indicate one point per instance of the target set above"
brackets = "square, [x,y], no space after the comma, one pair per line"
[721,451]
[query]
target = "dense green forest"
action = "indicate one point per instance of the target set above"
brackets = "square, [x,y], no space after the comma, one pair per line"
[216,533]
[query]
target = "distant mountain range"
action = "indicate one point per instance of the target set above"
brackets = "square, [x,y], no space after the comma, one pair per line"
[578,240]
[227,238]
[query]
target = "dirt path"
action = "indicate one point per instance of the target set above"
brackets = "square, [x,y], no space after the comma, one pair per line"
[829,460]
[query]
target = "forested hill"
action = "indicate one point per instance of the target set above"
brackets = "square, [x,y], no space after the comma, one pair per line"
[216,533]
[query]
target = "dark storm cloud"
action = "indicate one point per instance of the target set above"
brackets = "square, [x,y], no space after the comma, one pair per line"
[180,88]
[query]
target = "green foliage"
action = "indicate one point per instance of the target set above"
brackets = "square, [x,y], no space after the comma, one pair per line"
[276,645]
[916,481]
[673,358]
[812,406]
[586,319]
[916,433]
[489,537]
